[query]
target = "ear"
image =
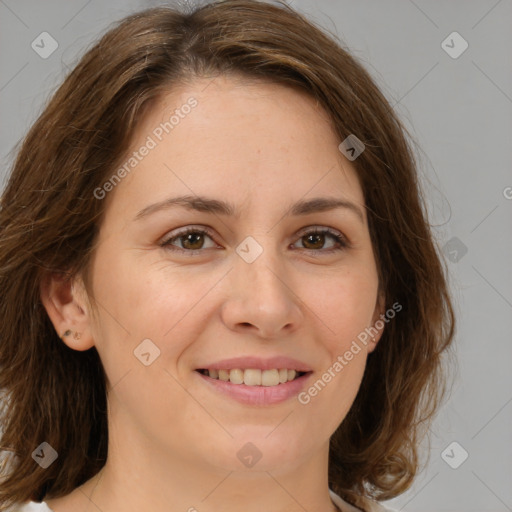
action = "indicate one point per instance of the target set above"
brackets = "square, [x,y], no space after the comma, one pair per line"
[64,299]
[377,323]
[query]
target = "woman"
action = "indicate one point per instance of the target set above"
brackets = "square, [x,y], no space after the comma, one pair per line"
[220,289]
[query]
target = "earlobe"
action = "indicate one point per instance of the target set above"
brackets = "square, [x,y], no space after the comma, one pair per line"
[66,310]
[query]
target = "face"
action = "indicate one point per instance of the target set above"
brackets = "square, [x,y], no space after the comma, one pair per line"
[273,278]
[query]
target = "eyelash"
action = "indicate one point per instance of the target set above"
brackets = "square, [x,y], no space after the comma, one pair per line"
[338,237]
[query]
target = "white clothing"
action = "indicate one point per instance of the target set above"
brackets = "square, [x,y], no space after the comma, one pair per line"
[372,506]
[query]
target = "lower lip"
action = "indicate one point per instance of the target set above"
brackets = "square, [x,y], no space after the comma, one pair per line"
[258,395]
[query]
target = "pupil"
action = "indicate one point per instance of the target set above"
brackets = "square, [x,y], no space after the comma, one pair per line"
[190,237]
[318,237]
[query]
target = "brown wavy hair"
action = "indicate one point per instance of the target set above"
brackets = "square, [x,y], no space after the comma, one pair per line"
[49,221]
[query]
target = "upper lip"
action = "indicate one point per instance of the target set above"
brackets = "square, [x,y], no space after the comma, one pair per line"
[246,362]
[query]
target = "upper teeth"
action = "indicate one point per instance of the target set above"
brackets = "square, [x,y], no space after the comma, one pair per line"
[254,377]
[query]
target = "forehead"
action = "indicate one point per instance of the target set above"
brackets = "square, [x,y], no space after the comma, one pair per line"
[238,140]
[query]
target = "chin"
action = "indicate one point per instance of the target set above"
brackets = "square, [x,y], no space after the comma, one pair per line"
[265,450]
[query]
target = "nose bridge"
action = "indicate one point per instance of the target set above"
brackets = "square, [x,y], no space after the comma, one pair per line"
[260,266]
[259,292]
[265,274]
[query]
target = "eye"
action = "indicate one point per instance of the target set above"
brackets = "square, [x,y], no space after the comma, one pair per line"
[315,239]
[192,240]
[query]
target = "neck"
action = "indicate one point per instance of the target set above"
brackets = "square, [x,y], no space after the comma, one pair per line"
[164,474]
[122,484]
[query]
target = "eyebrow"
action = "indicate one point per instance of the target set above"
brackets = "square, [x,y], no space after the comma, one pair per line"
[219,207]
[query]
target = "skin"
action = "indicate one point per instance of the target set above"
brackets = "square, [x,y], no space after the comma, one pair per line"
[173,441]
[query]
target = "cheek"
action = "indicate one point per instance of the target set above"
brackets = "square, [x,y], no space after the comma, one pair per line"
[145,316]
[344,306]
[138,302]
[331,395]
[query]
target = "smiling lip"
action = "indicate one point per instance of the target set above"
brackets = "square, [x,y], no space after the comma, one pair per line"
[245,363]
[258,395]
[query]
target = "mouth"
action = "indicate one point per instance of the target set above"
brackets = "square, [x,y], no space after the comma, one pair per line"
[255,387]
[254,376]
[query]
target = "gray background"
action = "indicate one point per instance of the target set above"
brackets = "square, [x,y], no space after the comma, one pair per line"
[459,111]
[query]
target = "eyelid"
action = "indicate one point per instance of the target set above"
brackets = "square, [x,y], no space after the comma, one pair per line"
[179,232]
[339,237]
[321,229]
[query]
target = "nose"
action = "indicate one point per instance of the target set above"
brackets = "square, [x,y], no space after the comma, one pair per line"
[261,299]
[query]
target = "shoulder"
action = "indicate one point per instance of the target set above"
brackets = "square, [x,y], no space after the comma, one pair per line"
[360,505]
[31,506]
